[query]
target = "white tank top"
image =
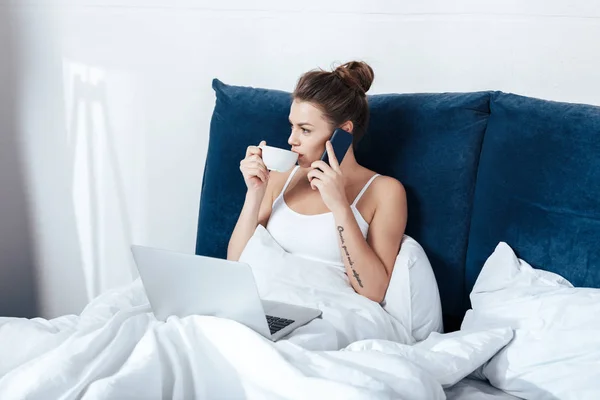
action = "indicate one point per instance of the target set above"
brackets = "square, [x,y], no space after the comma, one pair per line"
[311,236]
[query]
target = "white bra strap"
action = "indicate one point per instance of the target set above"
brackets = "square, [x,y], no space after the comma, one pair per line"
[364,189]
[289,180]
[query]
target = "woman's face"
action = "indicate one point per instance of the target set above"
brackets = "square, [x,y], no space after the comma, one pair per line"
[309,133]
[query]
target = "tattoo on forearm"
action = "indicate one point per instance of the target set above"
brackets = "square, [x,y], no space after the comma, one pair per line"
[357,277]
[350,262]
[340,230]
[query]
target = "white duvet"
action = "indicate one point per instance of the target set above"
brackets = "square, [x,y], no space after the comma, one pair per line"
[116,349]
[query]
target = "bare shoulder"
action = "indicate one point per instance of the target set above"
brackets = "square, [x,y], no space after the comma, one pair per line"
[389,190]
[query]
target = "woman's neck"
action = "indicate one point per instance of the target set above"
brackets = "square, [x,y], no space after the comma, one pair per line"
[349,163]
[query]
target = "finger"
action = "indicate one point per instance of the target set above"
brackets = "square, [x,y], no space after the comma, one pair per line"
[322,165]
[251,170]
[316,184]
[257,150]
[253,162]
[245,163]
[315,173]
[264,171]
[259,164]
[261,174]
[251,150]
[267,174]
[333,161]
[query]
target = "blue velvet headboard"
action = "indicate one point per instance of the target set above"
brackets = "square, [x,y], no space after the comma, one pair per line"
[464,160]
[538,188]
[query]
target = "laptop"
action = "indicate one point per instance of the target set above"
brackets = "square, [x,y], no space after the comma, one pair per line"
[183,284]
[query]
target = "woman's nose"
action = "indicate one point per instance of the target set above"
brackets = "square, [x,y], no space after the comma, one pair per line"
[293,139]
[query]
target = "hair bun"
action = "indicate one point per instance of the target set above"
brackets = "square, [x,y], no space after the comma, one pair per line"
[357,75]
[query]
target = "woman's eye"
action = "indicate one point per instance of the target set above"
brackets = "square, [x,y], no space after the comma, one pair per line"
[304,131]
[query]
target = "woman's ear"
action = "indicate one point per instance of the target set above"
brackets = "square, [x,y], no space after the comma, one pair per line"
[348,126]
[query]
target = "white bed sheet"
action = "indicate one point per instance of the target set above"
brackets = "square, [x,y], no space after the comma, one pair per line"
[117,349]
[473,389]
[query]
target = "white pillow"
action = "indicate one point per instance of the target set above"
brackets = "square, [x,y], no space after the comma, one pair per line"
[413,292]
[555,353]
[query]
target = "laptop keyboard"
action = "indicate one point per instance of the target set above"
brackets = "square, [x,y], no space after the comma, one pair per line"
[277,324]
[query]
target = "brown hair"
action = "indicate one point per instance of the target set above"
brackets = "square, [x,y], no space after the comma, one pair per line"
[339,94]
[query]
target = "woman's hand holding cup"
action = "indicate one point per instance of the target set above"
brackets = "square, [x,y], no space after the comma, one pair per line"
[254,171]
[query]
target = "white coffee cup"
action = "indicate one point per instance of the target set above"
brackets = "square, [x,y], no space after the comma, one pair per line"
[277,159]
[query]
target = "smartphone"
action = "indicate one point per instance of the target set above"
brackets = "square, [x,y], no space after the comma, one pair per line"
[341,141]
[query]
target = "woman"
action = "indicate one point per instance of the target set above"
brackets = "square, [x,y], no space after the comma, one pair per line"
[343,214]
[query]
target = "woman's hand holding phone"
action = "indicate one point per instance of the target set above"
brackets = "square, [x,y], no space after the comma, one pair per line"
[329,181]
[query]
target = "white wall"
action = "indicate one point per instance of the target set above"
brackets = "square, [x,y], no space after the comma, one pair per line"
[114,99]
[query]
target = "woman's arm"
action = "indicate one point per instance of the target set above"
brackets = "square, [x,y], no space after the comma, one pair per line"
[258,203]
[254,212]
[369,263]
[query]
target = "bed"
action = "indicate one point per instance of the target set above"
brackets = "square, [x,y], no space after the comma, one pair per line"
[503,204]
[480,169]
